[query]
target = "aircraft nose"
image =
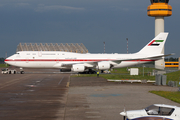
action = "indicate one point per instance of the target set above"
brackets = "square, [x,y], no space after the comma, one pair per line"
[6,60]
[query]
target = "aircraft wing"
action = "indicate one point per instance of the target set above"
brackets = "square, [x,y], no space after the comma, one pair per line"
[70,64]
[92,64]
[143,58]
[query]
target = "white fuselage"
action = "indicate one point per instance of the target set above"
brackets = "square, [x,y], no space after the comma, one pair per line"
[55,59]
[80,62]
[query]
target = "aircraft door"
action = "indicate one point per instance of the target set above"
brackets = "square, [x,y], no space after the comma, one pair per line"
[57,60]
[18,55]
[27,60]
[40,54]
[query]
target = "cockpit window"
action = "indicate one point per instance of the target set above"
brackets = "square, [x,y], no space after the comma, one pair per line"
[156,110]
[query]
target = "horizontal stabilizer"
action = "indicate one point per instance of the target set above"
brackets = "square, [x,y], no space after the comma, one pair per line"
[161,55]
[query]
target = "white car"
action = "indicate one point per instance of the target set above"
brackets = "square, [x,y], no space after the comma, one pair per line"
[7,71]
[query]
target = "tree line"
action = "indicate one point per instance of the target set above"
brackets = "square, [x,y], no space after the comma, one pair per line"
[2,60]
[171,59]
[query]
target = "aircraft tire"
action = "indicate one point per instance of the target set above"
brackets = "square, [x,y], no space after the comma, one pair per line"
[22,72]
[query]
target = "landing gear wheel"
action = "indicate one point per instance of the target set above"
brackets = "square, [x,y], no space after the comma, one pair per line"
[22,72]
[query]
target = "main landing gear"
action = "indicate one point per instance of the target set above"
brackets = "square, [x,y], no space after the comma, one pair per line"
[21,71]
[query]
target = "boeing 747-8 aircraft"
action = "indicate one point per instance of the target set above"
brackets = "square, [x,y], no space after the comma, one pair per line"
[80,62]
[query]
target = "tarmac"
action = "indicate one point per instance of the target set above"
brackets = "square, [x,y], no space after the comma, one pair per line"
[49,95]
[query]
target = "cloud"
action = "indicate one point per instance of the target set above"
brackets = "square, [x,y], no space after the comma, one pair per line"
[14,5]
[22,4]
[42,8]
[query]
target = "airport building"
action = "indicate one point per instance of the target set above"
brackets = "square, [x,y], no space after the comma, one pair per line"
[159,9]
[66,47]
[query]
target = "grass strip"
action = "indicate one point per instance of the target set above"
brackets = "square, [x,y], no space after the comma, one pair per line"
[174,76]
[3,65]
[173,96]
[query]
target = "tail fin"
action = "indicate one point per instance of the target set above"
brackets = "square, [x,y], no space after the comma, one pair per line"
[156,45]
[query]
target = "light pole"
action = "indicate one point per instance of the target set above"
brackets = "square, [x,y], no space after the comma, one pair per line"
[143,69]
[127,45]
[104,47]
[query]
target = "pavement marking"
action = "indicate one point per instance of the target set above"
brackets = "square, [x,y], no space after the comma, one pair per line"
[13,81]
[67,84]
[74,109]
[92,112]
[60,81]
[93,117]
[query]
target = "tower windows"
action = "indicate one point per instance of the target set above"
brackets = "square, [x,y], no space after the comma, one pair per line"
[159,1]
[155,1]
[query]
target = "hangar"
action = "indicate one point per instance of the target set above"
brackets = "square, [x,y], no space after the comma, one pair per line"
[67,47]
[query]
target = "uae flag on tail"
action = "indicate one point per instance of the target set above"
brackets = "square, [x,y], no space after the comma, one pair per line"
[155,43]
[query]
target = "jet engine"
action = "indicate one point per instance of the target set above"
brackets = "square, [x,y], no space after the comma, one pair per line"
[103,65]
[78,68]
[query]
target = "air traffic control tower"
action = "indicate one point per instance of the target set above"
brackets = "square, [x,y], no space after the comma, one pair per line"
[159,9]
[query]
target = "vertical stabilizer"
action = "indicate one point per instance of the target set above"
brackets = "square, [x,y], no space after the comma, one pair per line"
[155,46]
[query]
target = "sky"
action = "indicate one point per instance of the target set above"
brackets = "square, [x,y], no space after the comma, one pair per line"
[90,22]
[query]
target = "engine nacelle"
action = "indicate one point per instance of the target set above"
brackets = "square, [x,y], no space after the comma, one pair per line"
[78,68]
[103,65]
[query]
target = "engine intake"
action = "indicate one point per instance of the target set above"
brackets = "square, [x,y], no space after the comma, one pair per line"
[103,65]
[78,68]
